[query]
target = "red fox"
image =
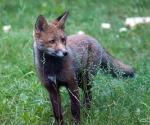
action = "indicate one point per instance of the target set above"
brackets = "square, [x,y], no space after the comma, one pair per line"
[70,61]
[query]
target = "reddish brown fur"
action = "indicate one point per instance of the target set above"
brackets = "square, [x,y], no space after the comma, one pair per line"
[69,61]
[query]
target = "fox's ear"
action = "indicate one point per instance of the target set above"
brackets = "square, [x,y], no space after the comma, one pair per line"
[61,20]
[41,24]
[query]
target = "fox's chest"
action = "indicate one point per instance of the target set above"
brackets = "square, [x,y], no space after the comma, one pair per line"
[56,79]
[57,71]
[54,72]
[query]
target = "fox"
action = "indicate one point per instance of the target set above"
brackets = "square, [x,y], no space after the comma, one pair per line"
[70,61]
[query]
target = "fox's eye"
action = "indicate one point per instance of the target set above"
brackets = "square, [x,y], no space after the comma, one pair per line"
[52,41]
[63,39]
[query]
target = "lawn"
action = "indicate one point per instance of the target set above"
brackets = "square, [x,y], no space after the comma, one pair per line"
[24,101]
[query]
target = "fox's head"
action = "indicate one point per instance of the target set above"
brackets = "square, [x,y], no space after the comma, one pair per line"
[51,37]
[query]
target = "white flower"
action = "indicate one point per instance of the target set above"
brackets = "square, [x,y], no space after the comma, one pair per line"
[133,21]
[106,25]
[6,28]
[123,29]
[81,32]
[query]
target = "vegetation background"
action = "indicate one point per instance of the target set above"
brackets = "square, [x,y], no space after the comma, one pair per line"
[23,101]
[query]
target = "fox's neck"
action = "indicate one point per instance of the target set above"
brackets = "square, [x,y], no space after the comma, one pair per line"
[51,65]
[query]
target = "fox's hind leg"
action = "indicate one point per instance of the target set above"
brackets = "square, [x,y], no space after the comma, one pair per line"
[86,87]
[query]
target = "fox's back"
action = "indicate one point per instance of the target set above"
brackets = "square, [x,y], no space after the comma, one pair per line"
[87,50]
[82,41]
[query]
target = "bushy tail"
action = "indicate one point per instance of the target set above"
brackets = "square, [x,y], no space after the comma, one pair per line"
[115,67]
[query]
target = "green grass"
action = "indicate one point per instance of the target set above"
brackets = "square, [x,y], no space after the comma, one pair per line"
[23,101]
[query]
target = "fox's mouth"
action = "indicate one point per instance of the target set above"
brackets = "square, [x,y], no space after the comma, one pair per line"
[54,54]
[59,54]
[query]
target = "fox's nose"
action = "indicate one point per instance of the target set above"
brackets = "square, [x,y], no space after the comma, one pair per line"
[65,53]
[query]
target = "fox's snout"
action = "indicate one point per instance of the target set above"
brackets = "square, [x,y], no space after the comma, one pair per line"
[65,53]
[57,53]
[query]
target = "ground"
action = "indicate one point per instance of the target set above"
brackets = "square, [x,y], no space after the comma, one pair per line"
[115,101]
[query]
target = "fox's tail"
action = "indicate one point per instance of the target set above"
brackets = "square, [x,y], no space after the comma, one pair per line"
[115,67]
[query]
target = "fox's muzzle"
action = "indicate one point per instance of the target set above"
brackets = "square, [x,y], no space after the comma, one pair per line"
[60,53]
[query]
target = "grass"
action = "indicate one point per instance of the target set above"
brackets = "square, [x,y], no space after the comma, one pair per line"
[115,101]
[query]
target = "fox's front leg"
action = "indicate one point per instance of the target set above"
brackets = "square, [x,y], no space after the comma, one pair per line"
[75,103]
[56,104]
